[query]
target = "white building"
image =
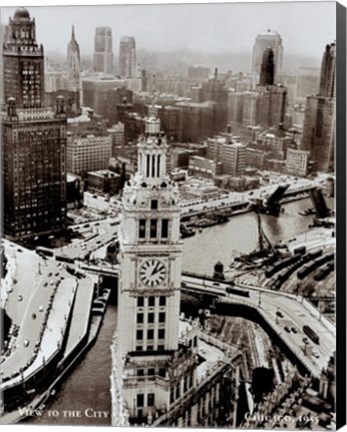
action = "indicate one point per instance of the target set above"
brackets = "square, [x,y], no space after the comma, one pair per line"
[156,379]
[297,162]
[89,153]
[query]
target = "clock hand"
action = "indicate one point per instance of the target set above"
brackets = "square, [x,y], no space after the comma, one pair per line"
[155,270]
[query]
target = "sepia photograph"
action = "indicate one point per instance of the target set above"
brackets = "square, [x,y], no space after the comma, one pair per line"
[168,233]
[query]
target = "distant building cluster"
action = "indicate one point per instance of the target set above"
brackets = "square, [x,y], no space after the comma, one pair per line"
[222,125]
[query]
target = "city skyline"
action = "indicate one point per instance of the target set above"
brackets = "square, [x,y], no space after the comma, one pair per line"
[218,28]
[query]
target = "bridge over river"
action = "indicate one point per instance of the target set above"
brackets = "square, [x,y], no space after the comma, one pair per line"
[280,313]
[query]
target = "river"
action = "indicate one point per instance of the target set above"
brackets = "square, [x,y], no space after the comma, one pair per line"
[87,387]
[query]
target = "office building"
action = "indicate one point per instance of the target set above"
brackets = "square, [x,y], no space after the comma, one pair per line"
[34,137]
[270,39]
[297,162]
[88,153]
[103,95]
[320,116]
[103,55]
[127,67]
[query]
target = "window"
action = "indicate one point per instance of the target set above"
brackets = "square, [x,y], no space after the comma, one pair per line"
[161,334]
[142,228]
[151,301]
[161,317]
[164,228]
[160,347]
[139,348]
[140,372]
[139,334]
[154,204]
[151,371]
[150,334]
[162,372]
[153,230]
[162,300]
[150,348]
[139,318]
[150,399]
[150,317]
[140,400]
[140,301]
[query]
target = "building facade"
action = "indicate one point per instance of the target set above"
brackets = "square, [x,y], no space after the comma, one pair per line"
[127,57]
[318,135]
[155,375]
[34,137]
[103,54]
[297,162]
[88,153]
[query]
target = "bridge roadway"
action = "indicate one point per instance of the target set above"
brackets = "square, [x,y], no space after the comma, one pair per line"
[281,311]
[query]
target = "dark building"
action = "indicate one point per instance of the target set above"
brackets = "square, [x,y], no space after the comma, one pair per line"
[267,69]
[127,57]
[103,95]
[103,54]
[215,90]
[320,115]
[327,75]
[34,137]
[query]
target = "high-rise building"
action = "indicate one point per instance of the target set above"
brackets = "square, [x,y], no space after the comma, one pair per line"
[156,378]
[306,84]
[320,116]
[74,67]
[103,54]
[273,40]
[127,57]
[327,85]
[34,137]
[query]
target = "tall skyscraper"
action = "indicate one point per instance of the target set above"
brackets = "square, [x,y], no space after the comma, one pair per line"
[320,116]
[156,377]
[127,57]
[273,40]
[103,54]
[34,137]
[74,66]
[327,85]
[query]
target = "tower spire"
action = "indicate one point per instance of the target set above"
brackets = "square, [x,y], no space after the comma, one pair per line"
[73,32]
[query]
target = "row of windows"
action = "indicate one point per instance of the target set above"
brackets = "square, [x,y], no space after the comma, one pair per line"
[150,334]
[150,317]
[149,348]
[153,228]
[151,301]
[151,372]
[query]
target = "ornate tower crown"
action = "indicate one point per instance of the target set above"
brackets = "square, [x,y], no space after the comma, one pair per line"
[152,148]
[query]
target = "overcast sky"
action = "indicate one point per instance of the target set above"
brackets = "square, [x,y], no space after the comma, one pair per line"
[305,27]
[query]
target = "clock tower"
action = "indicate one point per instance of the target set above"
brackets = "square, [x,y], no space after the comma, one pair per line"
[160,375]
[150,277]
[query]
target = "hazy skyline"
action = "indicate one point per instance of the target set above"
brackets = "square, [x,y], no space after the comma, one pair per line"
[210,28]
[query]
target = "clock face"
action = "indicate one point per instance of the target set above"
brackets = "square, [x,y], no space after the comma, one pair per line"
[152,272]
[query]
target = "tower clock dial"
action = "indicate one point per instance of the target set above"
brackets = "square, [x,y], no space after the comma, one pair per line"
[152,272]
